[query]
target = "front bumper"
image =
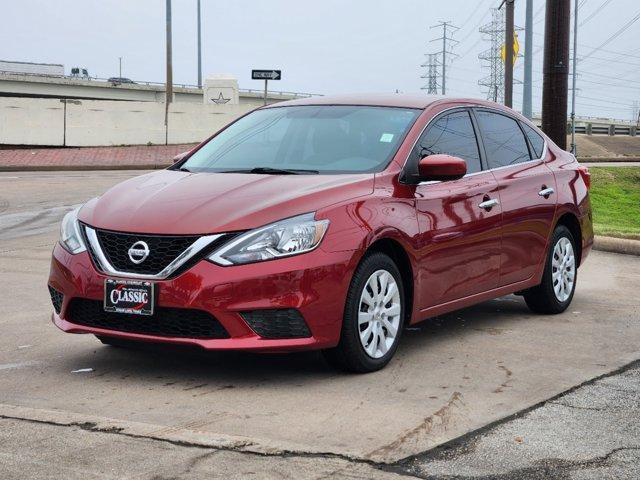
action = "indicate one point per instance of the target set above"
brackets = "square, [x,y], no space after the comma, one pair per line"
[315,284]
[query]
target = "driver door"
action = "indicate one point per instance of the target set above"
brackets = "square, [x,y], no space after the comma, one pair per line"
[459,220]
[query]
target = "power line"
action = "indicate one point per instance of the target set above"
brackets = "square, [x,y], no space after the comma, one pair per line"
[609,60]
[613,37]
[480,4]
[596,12]
[475,28]
[611,85]
[601,100]
[604,50]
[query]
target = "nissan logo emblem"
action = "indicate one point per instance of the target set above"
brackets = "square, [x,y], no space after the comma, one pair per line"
[138,252]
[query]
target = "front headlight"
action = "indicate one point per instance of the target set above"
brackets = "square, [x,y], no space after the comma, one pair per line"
[70,236]
[288,237]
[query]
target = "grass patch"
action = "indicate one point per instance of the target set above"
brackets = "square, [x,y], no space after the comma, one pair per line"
[615,199]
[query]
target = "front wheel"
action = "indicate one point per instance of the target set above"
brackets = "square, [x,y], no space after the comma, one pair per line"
[558,285]
[373,317]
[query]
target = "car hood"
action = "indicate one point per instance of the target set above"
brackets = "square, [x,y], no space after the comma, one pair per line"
[173,202]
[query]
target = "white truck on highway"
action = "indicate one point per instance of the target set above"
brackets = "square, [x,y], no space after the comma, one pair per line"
[29,68]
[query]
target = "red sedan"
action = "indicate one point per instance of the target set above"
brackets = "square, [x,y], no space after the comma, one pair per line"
[328,223]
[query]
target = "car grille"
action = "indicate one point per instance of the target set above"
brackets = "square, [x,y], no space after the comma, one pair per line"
[281,323]
[56,298]
[165,322]
[163,249]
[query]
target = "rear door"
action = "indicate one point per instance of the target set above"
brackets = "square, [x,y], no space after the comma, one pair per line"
[527,192]
[459,238]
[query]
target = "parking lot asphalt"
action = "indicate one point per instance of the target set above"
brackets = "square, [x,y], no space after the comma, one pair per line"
[452,375]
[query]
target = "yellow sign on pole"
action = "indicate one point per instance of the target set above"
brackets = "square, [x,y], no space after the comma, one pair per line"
[516,49]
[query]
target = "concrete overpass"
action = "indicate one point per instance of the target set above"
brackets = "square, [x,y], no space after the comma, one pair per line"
[25,85]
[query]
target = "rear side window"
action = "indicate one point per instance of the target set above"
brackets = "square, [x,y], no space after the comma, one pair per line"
[453,134]
[537,142]
[503,140]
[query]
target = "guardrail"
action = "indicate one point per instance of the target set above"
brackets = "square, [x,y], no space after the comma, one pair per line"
[252,91]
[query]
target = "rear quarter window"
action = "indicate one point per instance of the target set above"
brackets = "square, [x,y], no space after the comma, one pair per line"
[537,142]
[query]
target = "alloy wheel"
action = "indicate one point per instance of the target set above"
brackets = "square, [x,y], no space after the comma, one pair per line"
[379,314]
[563,269]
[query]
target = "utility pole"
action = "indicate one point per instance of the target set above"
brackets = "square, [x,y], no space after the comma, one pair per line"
[199,48]
[119,67]
[432,74]
[574,146]
[447,28]
[527,91]
[556,71]
[508,53]
[169,80]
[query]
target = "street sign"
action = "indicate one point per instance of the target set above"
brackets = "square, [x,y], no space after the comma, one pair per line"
[266,74]
[516,49]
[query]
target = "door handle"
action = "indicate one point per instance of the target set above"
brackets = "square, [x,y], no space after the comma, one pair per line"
[489,204]
[545,192]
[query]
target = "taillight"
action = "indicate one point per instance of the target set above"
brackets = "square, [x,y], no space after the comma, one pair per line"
[586,176]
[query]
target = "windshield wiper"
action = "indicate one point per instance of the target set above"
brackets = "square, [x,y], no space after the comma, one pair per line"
[275,171]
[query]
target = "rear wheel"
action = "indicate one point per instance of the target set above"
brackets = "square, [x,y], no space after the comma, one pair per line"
[373,317]
[558,285]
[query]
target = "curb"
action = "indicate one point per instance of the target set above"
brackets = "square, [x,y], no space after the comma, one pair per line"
[66,168]
[617,245]
[609,159]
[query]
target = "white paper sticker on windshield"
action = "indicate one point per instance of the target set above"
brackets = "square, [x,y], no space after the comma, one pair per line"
[386,138]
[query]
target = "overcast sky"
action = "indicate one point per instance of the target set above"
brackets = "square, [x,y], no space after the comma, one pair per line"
[327,46]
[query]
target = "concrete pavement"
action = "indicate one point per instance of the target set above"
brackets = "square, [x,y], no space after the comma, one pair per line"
[452,375]
[591,432]
[42,451]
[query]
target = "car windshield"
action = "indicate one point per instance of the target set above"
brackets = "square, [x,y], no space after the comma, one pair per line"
[307,139]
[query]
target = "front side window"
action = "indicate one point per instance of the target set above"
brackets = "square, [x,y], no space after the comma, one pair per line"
[315,139]
[453,134]
[504,142]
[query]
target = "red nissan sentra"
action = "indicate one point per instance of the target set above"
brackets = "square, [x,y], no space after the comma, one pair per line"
[328,223]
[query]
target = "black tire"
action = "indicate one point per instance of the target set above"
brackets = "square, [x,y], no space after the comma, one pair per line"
[350,355]
[117,342]
[542,298]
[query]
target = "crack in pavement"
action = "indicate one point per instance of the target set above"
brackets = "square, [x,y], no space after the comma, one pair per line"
[443,415]
[593,409]
[238,447]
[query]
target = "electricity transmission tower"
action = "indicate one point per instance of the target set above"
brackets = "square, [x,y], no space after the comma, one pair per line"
[494,33]
[448,42]
[431,74]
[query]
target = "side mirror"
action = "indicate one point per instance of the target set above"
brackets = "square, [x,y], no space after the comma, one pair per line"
[180,156]
[441,167]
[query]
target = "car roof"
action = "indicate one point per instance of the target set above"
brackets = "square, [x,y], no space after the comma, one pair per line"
[402,100]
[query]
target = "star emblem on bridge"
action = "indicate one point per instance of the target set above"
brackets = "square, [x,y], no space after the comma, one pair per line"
[220,100]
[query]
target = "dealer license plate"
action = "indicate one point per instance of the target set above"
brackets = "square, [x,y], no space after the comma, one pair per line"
[128,296]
